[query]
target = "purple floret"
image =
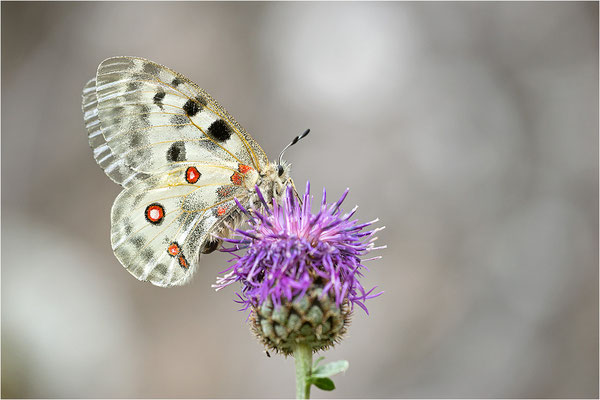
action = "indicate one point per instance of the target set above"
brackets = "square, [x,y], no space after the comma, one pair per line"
[289,249]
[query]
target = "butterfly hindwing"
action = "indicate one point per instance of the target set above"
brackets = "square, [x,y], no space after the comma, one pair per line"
[159,225]
[152,117]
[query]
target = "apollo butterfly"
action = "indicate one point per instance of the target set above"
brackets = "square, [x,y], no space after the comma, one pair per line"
[182,161]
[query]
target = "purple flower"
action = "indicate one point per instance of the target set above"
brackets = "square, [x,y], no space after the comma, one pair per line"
[290,250]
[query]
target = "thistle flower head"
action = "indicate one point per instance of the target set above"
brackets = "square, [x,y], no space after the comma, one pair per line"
[295,260]
[289,249]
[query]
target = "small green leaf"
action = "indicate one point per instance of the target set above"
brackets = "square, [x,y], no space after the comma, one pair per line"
[323,383]
[317,362]
[330,369]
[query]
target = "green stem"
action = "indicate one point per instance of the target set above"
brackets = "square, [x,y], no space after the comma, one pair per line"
[303,361]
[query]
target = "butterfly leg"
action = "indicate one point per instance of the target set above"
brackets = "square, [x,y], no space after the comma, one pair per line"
[210,245]
[295,191]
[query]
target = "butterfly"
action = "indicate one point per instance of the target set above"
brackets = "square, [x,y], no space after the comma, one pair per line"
[181,159]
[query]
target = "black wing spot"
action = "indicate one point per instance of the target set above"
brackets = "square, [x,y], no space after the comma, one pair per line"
[133,85]
[128,228]
[145,118]
[191,108]
[138,241]
[161,269]
[176,152]
[118,110]
[201,100]
[158,98]
[116,120]
[147,255]
[176,82]
[140,154]
[117,212]
[211,146]
[137,199]
[219,130]
[151,68]
[145,115]
[136,139]
[179,121]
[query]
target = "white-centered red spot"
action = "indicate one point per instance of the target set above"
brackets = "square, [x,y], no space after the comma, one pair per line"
[192,175]
[173,249]
[154,213]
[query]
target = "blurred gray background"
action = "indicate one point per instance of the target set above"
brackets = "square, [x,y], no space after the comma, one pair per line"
[469,129]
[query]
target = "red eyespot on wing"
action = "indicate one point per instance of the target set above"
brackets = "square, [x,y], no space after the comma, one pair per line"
[192,175]
[244,168]
[154,213]
[236,178]
[173,249]
[221,210]
[183,262]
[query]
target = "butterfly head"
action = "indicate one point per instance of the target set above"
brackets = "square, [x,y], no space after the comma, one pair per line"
[274,179]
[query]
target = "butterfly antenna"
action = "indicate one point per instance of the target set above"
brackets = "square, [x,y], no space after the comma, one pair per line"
[296,140]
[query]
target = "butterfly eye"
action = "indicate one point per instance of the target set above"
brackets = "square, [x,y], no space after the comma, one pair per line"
[280,170]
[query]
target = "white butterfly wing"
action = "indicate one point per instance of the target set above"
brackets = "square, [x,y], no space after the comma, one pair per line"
[115,167]
[149,127]
[151,116]
[159,225]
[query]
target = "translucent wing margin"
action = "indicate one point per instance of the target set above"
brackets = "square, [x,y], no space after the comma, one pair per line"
[114,167]
[159,225]
[151,117]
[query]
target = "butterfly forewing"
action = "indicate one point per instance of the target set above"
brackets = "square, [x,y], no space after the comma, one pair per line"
[114,166]
[151,117]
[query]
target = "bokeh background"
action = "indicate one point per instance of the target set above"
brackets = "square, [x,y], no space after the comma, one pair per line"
[469,129]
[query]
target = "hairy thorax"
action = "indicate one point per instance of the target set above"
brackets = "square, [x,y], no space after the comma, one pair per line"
[271,181]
